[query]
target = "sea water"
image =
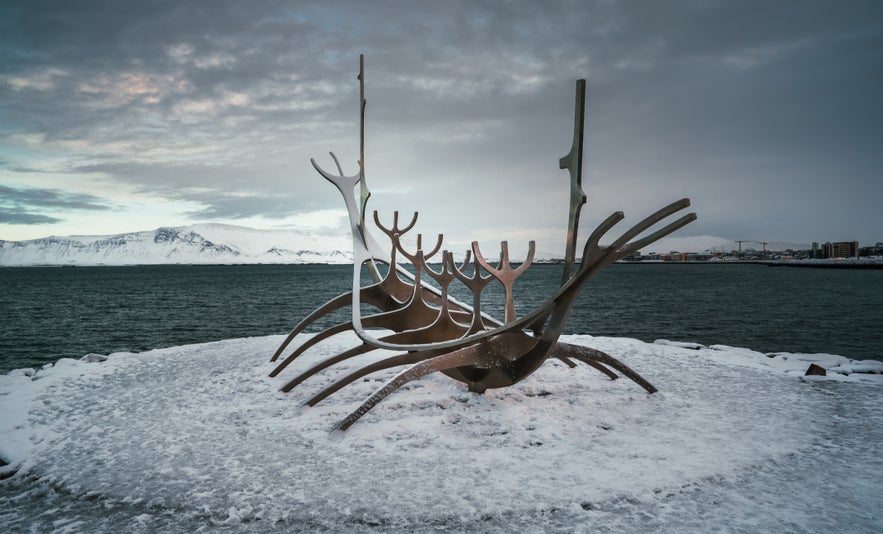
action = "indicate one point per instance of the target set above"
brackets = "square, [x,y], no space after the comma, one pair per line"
[50,313]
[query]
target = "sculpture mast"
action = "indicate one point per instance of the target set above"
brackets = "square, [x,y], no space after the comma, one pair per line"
[365,194]
[573,162]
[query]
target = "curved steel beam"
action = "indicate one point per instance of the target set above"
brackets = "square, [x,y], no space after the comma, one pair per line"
[588,354]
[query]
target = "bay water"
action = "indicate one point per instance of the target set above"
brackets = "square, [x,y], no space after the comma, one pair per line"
[49,313]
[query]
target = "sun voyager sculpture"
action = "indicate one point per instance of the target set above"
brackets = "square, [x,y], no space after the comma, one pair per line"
[429,330]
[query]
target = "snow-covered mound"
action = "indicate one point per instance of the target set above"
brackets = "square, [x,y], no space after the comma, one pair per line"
[196,244]
[198,438]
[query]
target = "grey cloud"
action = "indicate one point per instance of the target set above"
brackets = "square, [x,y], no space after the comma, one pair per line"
[759,110]
[15,215]
[27,205]
[50,198]
[226,192]
[220,207]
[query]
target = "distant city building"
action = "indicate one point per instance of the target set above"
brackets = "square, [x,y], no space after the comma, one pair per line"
[840,249]
[876,250]
[634,256]
[816,252]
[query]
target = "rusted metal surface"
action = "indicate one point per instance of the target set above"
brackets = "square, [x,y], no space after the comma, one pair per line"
[431,331]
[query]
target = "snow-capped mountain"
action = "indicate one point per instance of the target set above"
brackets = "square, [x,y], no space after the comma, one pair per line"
[196,244]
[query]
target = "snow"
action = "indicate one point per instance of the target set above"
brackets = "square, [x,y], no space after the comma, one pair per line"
[198,438]
[864,260]
[195,244]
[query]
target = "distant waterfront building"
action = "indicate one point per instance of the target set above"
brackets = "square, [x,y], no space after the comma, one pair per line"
[634,256]
[840,249]
[876,250]
[816,253]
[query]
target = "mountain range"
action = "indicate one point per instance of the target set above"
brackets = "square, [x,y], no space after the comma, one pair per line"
[229,244]
[196,244]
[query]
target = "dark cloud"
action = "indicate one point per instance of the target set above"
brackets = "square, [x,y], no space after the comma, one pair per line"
[14,215]
[28,205]
[50,198]
[766,113]
[219,207]
[226,192]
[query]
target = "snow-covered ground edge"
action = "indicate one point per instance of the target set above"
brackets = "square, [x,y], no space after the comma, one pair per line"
[200,437]
[839,368]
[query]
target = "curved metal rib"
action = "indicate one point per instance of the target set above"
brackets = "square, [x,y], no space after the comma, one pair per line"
[464,356]
[325,334]
[588,354]
[598,366]
[678,224]
[440,329]
[563,351]
[334,304]
[326,363]
[407,358]
[649,221]
[387,295]
[412,316]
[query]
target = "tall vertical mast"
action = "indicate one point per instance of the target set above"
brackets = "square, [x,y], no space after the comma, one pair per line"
[573,162]
[365,194]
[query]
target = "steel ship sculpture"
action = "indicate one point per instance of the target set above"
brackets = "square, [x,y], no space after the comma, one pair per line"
[430,331]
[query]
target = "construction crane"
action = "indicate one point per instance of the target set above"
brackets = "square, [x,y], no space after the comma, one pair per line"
[740,241]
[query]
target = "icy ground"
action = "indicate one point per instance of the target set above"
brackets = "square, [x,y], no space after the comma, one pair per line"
[198,438]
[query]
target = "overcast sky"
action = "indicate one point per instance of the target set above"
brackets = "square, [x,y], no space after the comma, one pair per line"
[125,116]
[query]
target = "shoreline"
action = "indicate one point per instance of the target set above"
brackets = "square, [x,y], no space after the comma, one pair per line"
[836,264]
